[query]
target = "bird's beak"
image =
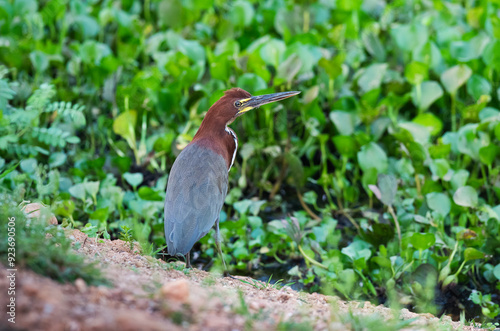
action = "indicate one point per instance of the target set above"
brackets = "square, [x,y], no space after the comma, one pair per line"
[259,100]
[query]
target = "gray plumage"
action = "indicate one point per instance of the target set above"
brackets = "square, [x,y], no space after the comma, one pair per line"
[196,189]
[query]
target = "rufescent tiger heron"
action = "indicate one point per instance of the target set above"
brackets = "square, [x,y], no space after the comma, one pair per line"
[197,184]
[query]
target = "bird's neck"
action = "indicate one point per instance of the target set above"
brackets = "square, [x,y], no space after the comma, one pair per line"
[219,138]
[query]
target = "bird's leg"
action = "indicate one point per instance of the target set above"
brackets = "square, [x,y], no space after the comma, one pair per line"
[217,243]
[188,260]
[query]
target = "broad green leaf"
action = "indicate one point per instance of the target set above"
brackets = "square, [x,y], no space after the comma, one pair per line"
[478,86]
[57,159]
[472,254]
[29,165]
[496,271]
[416,73]
[345,145]
[371,77]
[431,121]
[440,168]
[466,196]
[471,140]
[374,46]
[344,121]
[465,51]
[420,133]
[455,77]
[251,82]
[487,154]
[491,55]
[430,91]
[422,241]
[372,156]
[77,191]
[134,179]
[124,124]
[39,60]
[272,52]
[459,178]
[357,249]
[92,188]
[439,202]
[408,37]
[388,186]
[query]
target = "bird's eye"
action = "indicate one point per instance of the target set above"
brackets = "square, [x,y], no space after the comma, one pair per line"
[237,104]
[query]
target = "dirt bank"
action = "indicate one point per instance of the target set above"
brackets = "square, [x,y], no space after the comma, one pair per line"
[149,294]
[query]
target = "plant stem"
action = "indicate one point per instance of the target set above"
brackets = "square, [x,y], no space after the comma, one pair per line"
[313,261]
[453,113]
[391,210]
[306,207]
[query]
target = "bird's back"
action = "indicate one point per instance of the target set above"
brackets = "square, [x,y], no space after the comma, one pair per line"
[196,189]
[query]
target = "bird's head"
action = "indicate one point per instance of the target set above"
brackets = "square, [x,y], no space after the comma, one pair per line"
[237,101]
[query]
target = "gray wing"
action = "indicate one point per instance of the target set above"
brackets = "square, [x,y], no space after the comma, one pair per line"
[196,189]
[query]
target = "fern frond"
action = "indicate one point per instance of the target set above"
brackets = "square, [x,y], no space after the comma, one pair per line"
[73,112]
[26,149]
[6,140]
[52,136]
[41,97]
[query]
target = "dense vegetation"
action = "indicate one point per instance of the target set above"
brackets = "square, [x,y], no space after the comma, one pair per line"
[380,181]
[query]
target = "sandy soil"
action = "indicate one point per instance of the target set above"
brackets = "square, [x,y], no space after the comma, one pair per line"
[149,294]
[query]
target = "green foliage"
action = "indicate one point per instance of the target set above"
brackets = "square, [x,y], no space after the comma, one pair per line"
[400,101]
[44,249]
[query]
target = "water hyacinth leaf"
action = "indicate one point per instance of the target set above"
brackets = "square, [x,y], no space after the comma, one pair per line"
[296,170]
[124,124]
[288,69]
[453,78]
[358,249]
[345,122]
[372,156]
[272,52]
[431,121]
[416,73]
[345,145]
[133,179]
[65,208]
[496,271]
[487,154]
[459,178]
[430,91]
[465,51]
[29,165]
[420,133]
[466,196]
[440,168]
[491,55]
[241,13]
[388,186]
[92,188]
[478,86]
[439,202]
[374,46]
[422,241]
[39,60]
[410,36]
[473,254]
[251,82]
[371,77]
[77,191]
[147,193]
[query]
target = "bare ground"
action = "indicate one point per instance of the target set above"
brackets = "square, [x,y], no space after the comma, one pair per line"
[149,294]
